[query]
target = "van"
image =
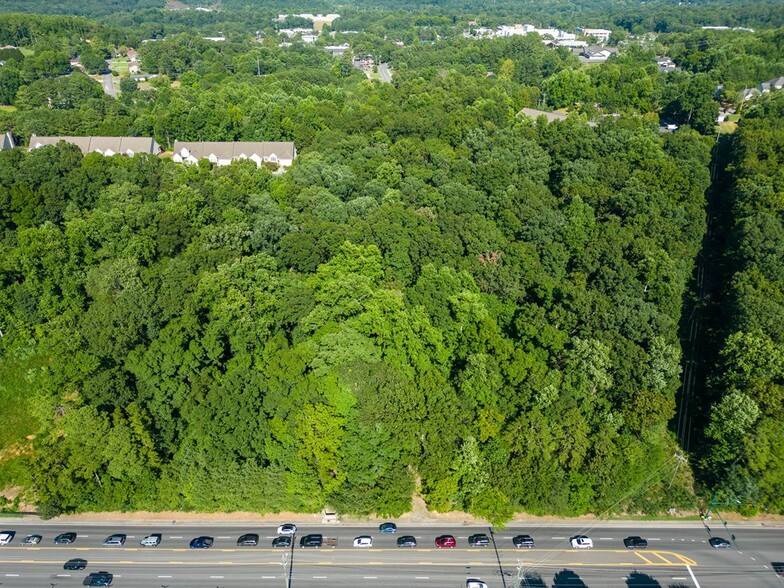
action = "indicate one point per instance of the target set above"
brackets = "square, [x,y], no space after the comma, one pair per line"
[151,540]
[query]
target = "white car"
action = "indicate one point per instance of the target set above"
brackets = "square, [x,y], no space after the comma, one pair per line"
[6,537]
[582,542]
[473,583]
[287,529]
[363,541]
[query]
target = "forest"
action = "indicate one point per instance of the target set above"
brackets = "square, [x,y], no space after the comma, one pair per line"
[442,297]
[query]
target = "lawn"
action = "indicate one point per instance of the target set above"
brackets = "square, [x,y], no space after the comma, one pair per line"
[15,414]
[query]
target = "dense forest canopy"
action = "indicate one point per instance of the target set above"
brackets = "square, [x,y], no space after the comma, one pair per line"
[442,296]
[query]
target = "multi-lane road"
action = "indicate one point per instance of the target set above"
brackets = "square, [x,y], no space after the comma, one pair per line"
[677,556]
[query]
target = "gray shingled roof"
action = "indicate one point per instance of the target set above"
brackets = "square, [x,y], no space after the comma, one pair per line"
[232,150]
[102,144]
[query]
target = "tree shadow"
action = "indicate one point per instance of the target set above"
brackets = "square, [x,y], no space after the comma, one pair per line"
[568,579]
[638,580]
[532,580]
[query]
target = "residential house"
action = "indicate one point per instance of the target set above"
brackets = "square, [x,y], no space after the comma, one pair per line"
[596,54]
[282,153]
[104,145]
[774,84]
[550,116]
[7,142]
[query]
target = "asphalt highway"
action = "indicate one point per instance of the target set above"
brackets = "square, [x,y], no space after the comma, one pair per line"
[677,557]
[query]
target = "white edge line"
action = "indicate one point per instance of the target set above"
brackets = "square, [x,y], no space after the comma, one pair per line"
[696,583]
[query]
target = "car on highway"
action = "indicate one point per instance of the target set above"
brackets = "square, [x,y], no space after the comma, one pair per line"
[719,543]
[65,538]
[474,583]
[406,541]
[248,540]
[445,541]
[387,528]
[6,537]
[32,540]
[116,540]
[478,540]
[363,541]
[152,540]
[203,542]
[523,541]
[314,540]
[635,542]
[778,567]
[76,563]
[581,542]
[282,541]
[287,529]
[98,579]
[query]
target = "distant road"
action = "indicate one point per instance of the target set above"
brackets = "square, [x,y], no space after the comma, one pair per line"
[678,556]
[383,71]
[108,85]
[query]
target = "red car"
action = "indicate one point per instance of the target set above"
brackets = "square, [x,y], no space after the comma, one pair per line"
[445,541]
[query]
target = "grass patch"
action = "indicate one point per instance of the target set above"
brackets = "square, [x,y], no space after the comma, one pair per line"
[15,392]
[26,52]
[7,108]
[727,127]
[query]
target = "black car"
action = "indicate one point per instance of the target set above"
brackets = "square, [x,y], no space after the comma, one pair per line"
[479,540]
[248,540]
[523,541]
[719,543]
[778,567]
[98,579]
[314,540]
[282,541]
[65,538]
[635,542]
[406,541]
[75,564]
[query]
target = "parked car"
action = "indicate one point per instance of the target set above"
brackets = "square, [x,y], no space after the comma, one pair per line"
[313,540]
[153,540]
[719,543]
[6,537]
[282,541]
[98,579]
[406,541]
[65,538]
[478,540]
[581,542]
[248,540]
[116,540]
[75,564]
[387,528]
[201,542]
[287,529]
[523,541]
[635,542]
[445,541]
[32,540]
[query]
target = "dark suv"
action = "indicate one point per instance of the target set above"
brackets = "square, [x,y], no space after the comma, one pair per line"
[314,540]
[523,541]
[479,540]
[98,579]
[635,542]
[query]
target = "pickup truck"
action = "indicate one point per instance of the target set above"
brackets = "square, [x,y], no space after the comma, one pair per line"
[317,540]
